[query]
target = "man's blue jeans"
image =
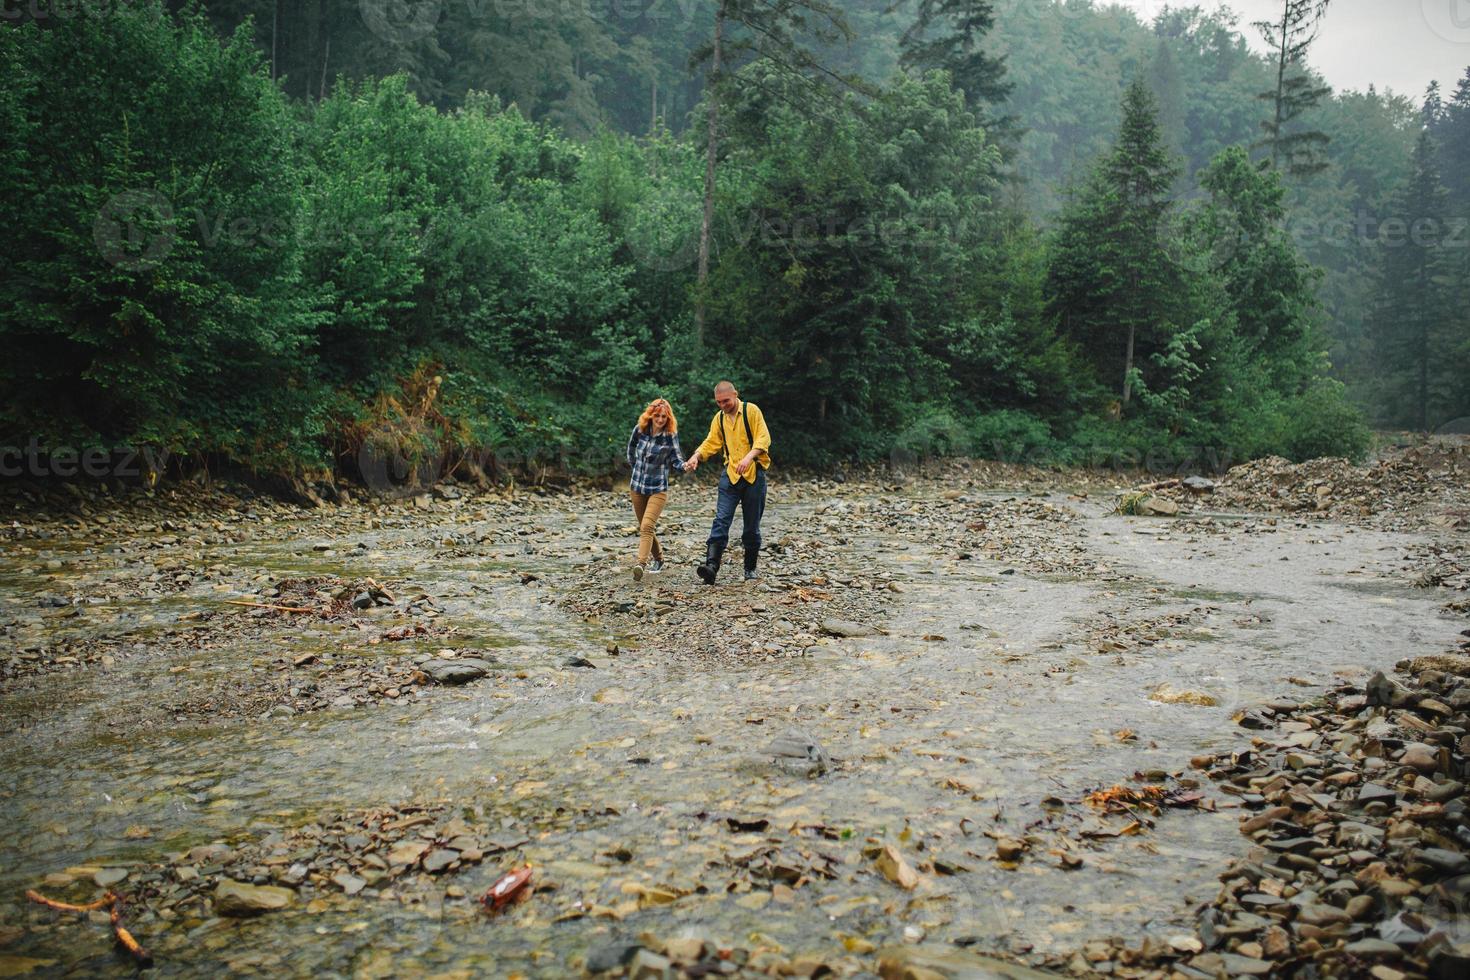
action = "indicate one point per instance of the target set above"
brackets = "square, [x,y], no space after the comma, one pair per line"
[751,496]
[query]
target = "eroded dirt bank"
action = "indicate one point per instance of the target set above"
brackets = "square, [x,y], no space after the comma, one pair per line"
[368,714]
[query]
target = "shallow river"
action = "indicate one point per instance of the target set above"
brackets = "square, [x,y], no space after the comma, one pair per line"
[992,690]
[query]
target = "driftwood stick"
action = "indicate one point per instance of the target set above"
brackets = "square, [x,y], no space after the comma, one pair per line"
[108,901]
[125,938]
[52,903]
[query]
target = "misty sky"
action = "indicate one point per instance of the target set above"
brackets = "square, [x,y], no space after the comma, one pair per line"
[1397,44]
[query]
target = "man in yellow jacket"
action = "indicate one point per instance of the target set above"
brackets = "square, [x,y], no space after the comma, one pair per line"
[738,432]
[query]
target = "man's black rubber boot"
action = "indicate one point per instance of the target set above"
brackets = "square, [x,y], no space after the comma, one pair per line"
[711,566]
[750,557]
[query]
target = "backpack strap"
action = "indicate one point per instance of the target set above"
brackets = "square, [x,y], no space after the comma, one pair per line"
[749,439]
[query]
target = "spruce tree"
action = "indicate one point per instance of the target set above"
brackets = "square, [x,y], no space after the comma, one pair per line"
[1294,150]
[1412,316]
[1114,284]
[950,34]
[1168,89]
[1455,168]
[777,32]
[1453,137]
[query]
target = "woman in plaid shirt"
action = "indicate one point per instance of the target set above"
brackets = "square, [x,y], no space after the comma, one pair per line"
[653,450]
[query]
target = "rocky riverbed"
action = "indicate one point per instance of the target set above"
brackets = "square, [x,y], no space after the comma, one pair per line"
[968,723]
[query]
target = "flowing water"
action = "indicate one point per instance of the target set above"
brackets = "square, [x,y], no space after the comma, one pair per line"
[995,695]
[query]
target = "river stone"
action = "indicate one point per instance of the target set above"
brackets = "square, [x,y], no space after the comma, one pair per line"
[1372,791]
[847,628]
[407,852]
[108,877]
[1236,964]
[239,899]
[648,965]
[1445,861]
[1449,962]
[1420,756]
[350,884]
[1350,833]
[796,751]
[457,671]
[1322,915]
[1157,507]
[895,962]
[1382,689]
[1445,792]
[605,958]
[1399,930]
[1372,948]
[438,859]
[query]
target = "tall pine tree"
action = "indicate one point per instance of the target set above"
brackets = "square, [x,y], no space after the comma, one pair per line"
[950,34]
[1114,284]
[1454,146]
[1412,314]
[778,32]
[1295,150]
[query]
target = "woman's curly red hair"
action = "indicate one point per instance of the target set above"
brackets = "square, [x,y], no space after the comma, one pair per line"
[645,421]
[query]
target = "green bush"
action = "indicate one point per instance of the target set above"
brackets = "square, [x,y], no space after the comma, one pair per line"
[1320,422]
[1014,436]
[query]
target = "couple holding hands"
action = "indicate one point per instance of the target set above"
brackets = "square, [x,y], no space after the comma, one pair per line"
[738,433]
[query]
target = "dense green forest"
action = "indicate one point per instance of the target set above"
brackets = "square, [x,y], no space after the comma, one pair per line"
[476,234]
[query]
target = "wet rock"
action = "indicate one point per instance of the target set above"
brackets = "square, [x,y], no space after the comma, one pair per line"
[605,958]
[237,898]
[797,752]
[407,852]
[1421,757]
[1402,929]
[1322,915]
[1372,792]
[1373,949]
[893,867]
[458,671]
[846,628]
[1009,849]
[1383,690]
[921,962]
[350,884]
[108,877]
[1157,507]
[438,859]
[1444,861]
[648,965]
[1237,965]
[1450,962]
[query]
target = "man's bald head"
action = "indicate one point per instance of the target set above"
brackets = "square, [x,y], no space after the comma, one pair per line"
[727,398]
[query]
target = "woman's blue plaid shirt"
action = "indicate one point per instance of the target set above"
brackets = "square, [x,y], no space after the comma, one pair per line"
[652,457]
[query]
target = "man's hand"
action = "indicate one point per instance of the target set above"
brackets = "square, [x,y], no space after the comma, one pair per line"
[692,463]
[744,463]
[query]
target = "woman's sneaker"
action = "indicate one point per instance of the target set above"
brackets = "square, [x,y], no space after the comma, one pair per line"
[655,565]
[637,573]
